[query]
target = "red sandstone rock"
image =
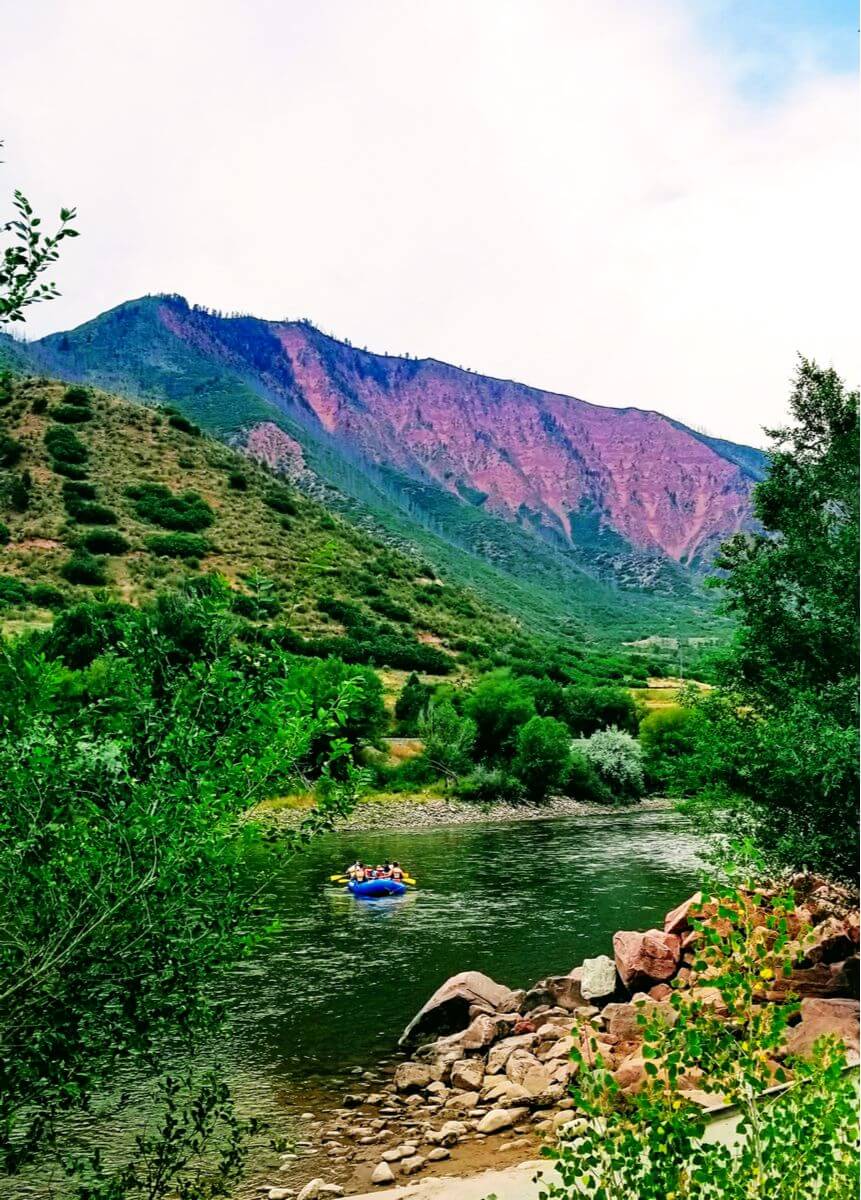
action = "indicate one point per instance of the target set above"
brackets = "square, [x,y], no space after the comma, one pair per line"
[831,942]
[819,1017]
[678,921]
[643,959]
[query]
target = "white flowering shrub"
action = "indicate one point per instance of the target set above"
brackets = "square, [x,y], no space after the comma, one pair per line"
[617,758]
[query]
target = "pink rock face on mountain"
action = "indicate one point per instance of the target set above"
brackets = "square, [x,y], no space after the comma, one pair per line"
[269,444]
[526,451]
[572,469]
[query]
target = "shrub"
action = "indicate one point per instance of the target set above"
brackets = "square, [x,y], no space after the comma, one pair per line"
[85,631]
[92,514]
[490,785]
[64,445]
[18,491]
[105,541]
[237,481]
[177,421]
[583,782]
[5,534]
[389,608]
[281,501]
[617,758]
[44,596]
[12,591]
[10,451]
[78,396]
[178,545]
[68,470]
[7,390]
[84,568]
[71,414]
[542,756]
[39,404]
[158,505]
[586,710]
[74,492]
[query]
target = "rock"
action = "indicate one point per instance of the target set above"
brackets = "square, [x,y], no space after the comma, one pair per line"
[630,1075]
[820,1017]
[828,981]
[396,1154]
[280,1193]
[499,1088]
[557,991]
[437,1088]
[462,1101]
[438,1154]
[413,1164]
[560,1049]
[643,959]
[479,1034]
[382,1173]
[331,1189]
[523,1024]
[467,1073]
[500,1118]
[413,1077]
[447,1011]
[710,997]
[352,1101]
[498,1056]
[448,1135]
[311,1190]
[622,1021]
[829,942]
[679,920]
[527,1072]
[661,991]
[599,981]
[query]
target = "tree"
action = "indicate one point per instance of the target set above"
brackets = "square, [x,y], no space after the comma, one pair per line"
[543,756]
[449,738]
[498,705]
[587,709]
[27,255]
[411,703]
[792,673]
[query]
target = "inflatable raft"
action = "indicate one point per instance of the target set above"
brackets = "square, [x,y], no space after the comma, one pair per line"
[377,887]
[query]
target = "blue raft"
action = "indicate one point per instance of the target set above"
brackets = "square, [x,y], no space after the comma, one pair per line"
[377,887]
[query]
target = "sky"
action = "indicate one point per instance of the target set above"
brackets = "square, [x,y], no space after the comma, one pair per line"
[638,202]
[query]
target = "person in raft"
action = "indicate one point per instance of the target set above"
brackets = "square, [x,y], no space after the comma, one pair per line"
[362,874]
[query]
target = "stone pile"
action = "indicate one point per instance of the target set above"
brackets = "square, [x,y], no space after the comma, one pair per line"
[491,1062]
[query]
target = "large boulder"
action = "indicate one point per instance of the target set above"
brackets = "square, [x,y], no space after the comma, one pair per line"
[414,1077]
[819,1017]
[679,920]
[829,942]
[557,991]
[447,1011]
[498,1056]
[500,1118]
[598,980]
[643,959]
[826,980]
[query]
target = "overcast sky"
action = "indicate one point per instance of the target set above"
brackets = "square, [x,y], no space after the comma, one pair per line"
[646,202]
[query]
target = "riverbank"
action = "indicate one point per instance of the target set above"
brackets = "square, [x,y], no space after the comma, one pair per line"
[488,1078]
[411,813]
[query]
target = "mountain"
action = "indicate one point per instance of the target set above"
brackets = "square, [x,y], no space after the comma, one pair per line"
[99,493]
[574,502]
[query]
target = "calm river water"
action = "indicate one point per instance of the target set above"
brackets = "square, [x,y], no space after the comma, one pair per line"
[517,901]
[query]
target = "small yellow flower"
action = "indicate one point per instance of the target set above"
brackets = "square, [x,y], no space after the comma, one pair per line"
[766,973]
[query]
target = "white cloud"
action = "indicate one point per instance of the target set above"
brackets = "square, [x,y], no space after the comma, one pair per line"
[572,193]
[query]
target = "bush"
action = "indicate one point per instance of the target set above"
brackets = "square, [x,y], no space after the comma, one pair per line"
[7,390]
[449,738]
[12,591]
[10,451]
[71,414]
[178,545]
[68,470]
[281,501]
[44,596]
[583,782]
[85,568]
[79,396]
[84,632]
[106,541]
[542,756]
[158,505]
[39,404]
[5,534]
[618,759]
[490,785]
[74,492]
[389,608]
[64,445]
[586,710]
[92,514]
[237,481]
[177,421]
[18,491]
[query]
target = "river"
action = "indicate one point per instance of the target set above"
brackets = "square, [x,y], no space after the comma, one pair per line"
[341,978]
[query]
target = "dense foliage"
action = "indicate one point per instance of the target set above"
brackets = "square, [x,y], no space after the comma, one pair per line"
[649,1144]
[130,743]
